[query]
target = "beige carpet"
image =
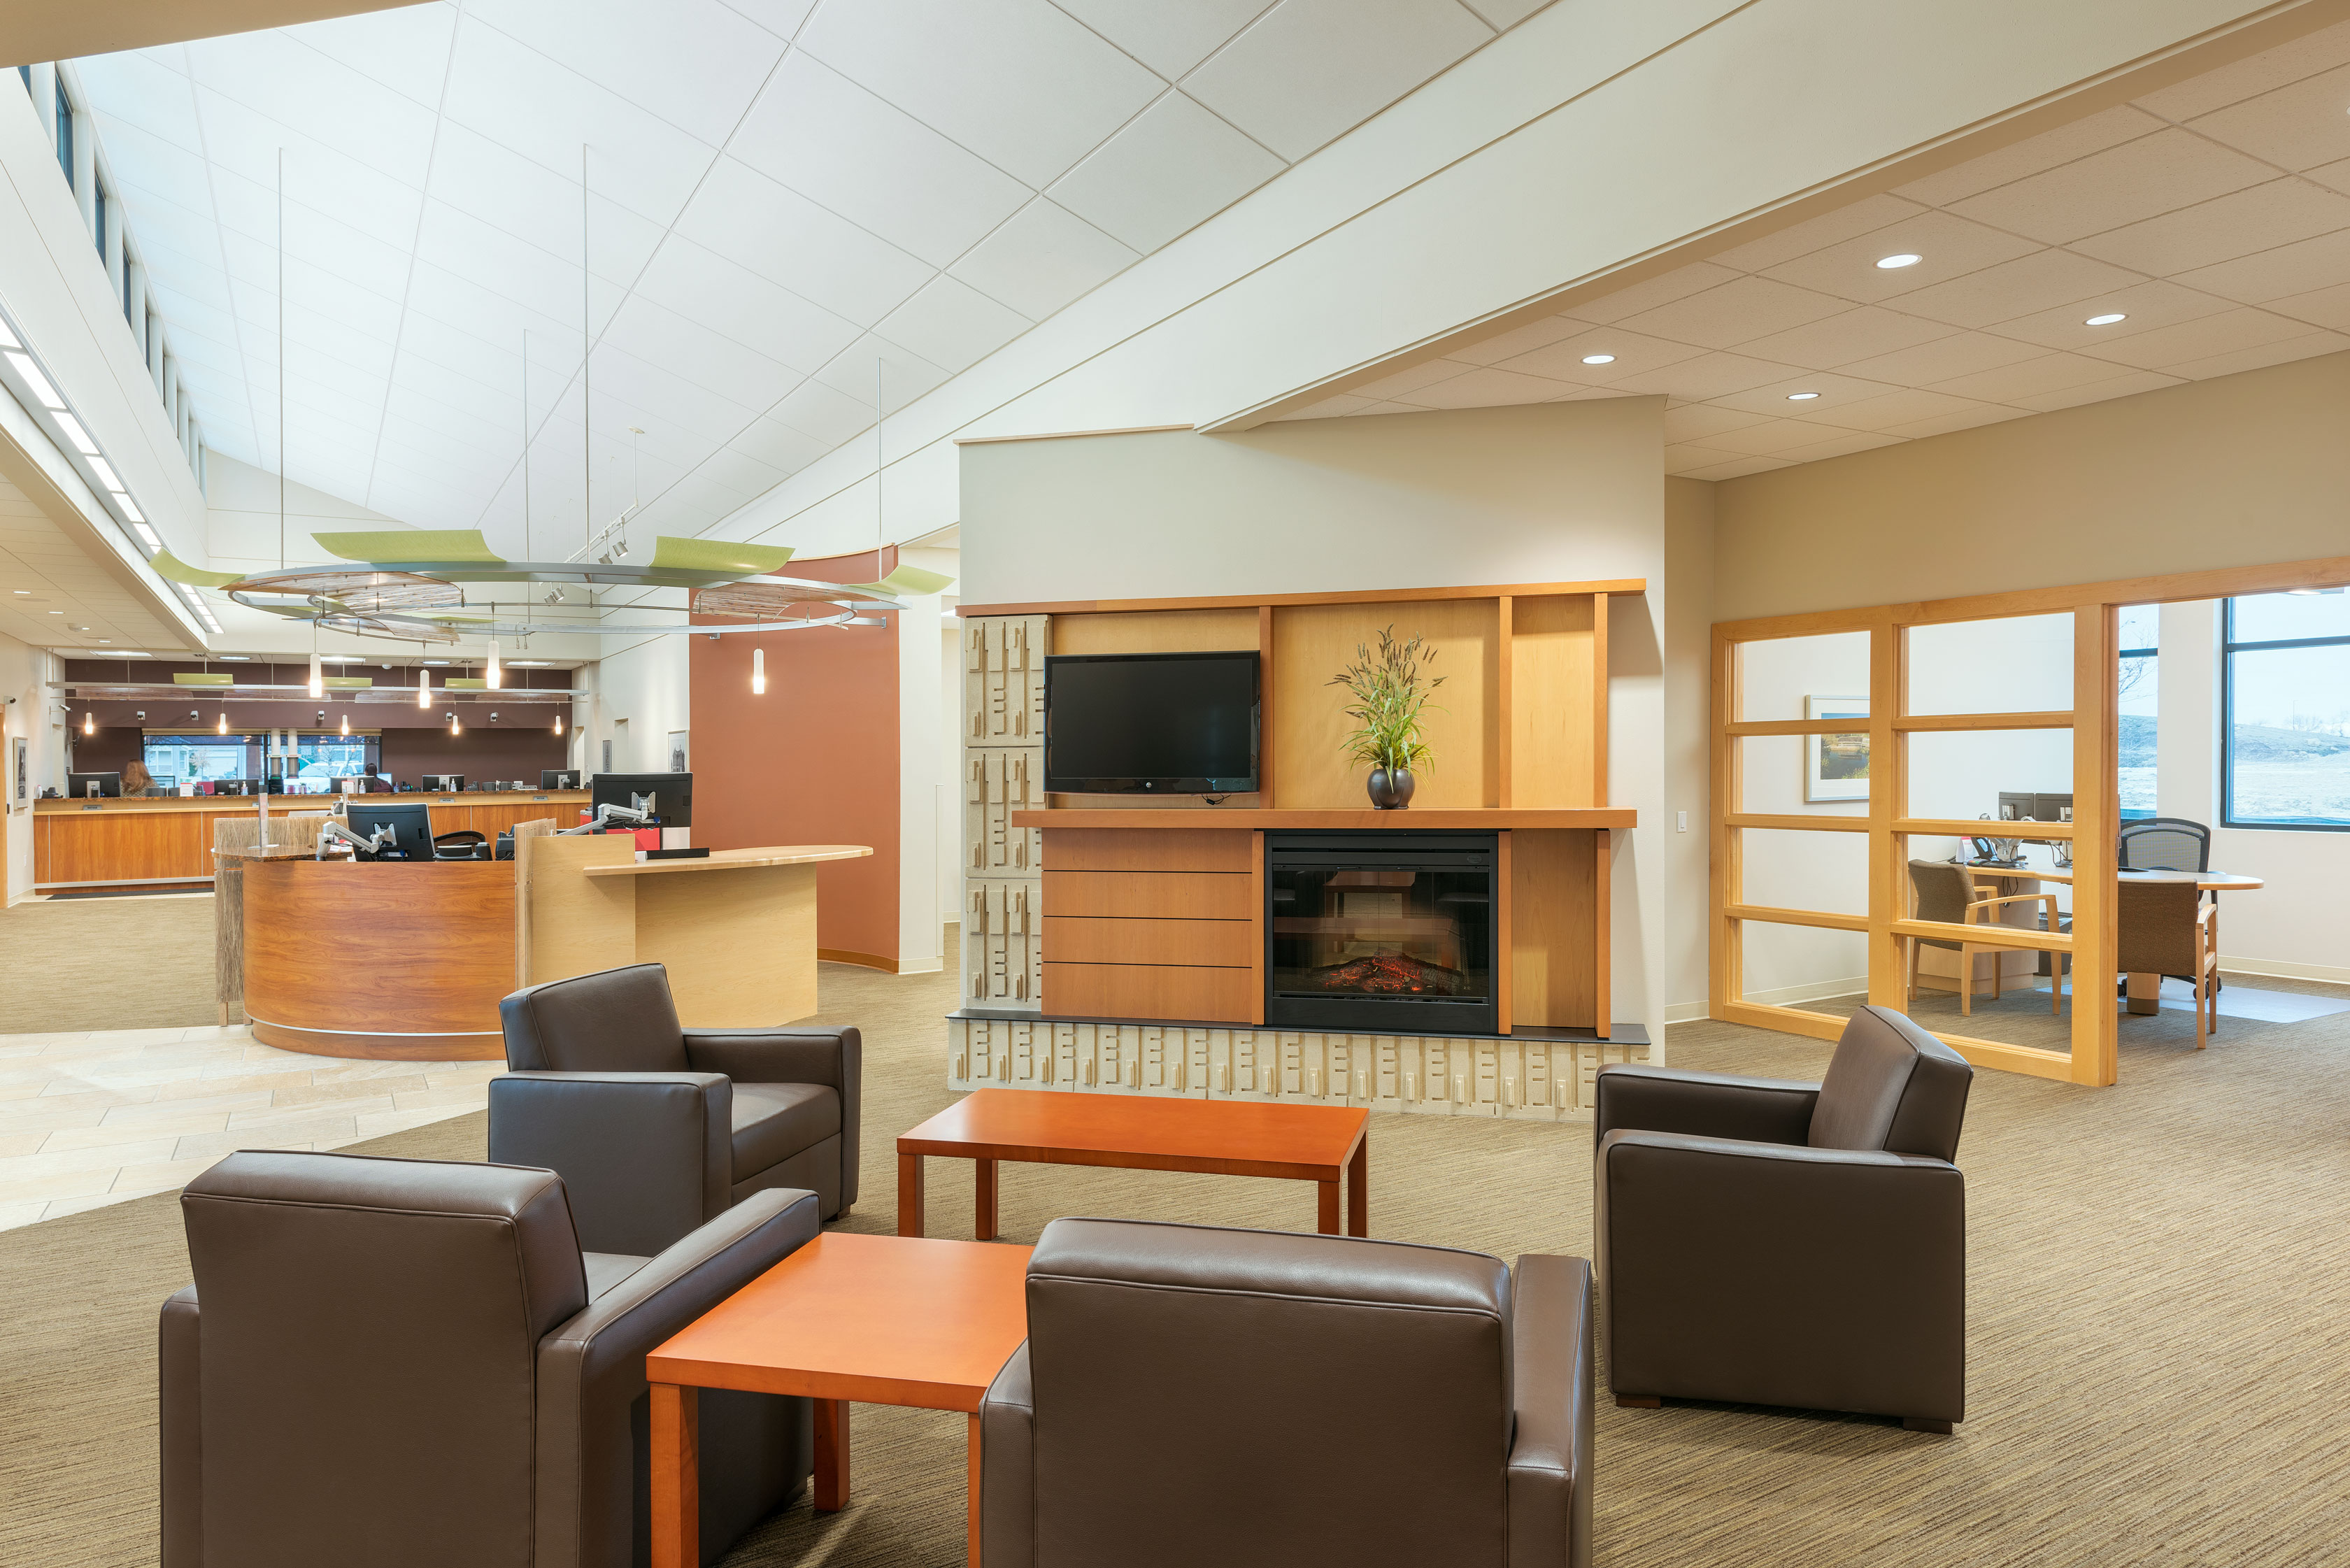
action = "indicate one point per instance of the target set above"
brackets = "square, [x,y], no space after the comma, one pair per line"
[2159,1325]
[74,964]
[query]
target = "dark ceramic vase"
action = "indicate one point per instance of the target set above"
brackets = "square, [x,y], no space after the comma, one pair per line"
[1390,790]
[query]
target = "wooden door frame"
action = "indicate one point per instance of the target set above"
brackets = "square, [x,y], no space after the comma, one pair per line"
[2096,610]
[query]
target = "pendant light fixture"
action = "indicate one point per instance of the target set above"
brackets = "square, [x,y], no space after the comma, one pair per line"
[317,666]
[347,723]
[89,723]
[423,687]
[222,728]
[455,728]
[758,672]
[493,674]
[558,721]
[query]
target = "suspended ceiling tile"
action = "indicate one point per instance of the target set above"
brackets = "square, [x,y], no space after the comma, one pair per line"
[2275,274]
[2161,348]
[2145,306]
[1842,445]
[734,469]
[1681,457]
[1635,354]
[1311,70]
[873,365]
[1858,334]
[826,415]
[1484,387]
[2030,378]
[1696,421]
[713,360]
[2257,219]
[489,317]
[693,63]
[2125,184]
[1173,167]
[782,18]
[1169,39]
[1651,292]
[1892,409]
[160,168]
[2122,386]
[2034,155]
[1772,438]
[1831,228]
[1956,420]
[1735,313]
[787,239]
[275,79]
[705,286]
[1949,247]
[1503,15]
[837,144]
[1961,354]
[1835,392]
[2296,127]
[2333,176]
[244,145]
[407,51]
[1332,407]
[2254,75]
[2260,356]
[2045,280]
[1041,258]
[649,385]
[1738,468]
[1507,346]
[2327,307]
[952,324]
[946,62]
[1709,376]
[492,183]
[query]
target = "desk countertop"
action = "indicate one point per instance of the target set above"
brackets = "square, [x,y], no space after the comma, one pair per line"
[2221,881]
[738,859]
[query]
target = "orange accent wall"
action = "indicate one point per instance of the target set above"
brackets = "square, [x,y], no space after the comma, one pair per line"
[815,761]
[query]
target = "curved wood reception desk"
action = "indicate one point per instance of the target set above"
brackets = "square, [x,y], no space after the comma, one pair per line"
[386,961]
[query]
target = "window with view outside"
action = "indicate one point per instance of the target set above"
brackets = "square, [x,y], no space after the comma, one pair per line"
[188,759]
[2285,740]
[2140,643]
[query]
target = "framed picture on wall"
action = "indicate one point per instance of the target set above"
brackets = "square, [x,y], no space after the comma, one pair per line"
[681,759]
[20,782]
[1835,767]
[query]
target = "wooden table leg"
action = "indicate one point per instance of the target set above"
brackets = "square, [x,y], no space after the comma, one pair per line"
[831,1481]
[971,1504]
[1358,1189]
[910,1195]
[676,1477]
[984,1225]
[1327,1217]
[2145,992]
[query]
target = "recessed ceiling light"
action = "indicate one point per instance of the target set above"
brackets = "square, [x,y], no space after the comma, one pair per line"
[35,382]
[233,658]
[2107,319]
[1599,359]
[1904,259]
[77,435]
[107,478]
[431,661]
[1801,397]
[529,663]
[130,653]
[106,640]
[20,590]
[56,612]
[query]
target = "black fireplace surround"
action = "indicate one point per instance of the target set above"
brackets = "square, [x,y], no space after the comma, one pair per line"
[1380,932]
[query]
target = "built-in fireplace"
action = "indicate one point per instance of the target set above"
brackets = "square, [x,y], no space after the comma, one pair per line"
[1390,931]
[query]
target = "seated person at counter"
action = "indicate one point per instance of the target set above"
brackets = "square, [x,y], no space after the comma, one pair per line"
[137,780]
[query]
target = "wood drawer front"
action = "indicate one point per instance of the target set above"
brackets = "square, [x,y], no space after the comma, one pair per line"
[1152,992]
[1165,895]
[1147,850]
[1213,944]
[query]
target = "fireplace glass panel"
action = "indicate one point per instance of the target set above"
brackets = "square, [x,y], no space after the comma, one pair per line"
[1380,927]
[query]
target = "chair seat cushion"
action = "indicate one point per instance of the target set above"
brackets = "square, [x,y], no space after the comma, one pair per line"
[774,1122]
[606,1270]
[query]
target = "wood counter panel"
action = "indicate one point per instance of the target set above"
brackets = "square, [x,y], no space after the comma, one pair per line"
[1119,849]
[1213,944]
[1148,992]
[386,960]
[1165,895]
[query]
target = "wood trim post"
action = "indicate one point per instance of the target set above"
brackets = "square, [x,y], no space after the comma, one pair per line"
[1599,700]
[1259,931]
[1504,689]
[1264,777]
[1603,900]
[1503,934]
[1888,803]
[2097,673]
[1726,884]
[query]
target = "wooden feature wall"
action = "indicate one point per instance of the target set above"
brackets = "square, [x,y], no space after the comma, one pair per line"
[1154,925]
[1311,643]
[2093,720]
[1557,943]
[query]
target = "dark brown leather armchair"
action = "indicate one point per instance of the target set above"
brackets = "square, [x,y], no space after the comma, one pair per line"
[656,1129]
[385,1363]
[1189,1394]
[1771,1242]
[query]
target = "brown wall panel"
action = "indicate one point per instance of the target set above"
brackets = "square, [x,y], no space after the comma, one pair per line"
[1155,631]
[1174,895]
[1150,991]
[1551,654]
[1218,944]
[1553,932]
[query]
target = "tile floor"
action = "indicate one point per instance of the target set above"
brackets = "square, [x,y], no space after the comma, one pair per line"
[87,1119]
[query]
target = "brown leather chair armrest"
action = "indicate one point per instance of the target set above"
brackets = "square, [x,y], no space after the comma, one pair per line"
[182,1411]
[1552,1361]
[591,1389]
[1758,1272]
[1008,1466]
[1705,1105]
[831,1056]
[645,1158]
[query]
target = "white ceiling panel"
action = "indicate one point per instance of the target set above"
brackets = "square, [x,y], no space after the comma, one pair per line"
[1169,39]
[2221,332]
[1736,312]
[1041,258]
[2300,126]
[2253,76]
[1961,354]
[2273,275]
[945,63]
[2122,386]
[243,148]
[2329,306]
[778,446]
[818,411]
[693,63]
[275,76]
[407,52]
[952,324]
[704,285]
[874,365]
[1630,354]
[1173,166]
[2125,184]
[790,239]
[1864,216]
[1839,340]
[712,360]
[2259,355]
[1311,70]
[840,145]
[1709,376]
[1949,247]
[2259,218]
[1484,386]
[2034,155]
[2144,306]
[1829,392]
[495,185]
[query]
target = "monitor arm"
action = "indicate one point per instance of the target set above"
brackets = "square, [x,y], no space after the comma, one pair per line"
[607,813]
[333,832]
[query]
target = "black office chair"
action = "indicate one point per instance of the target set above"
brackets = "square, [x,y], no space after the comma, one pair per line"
[2163,844]
[462,844]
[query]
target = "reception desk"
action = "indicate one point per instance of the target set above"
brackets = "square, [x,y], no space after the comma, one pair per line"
[81,846]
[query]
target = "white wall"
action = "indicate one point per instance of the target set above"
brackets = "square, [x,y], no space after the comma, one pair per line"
[649,686]
[27,712]
[1552,493]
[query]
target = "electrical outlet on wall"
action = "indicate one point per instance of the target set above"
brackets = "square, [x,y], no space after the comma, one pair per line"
[1680,822]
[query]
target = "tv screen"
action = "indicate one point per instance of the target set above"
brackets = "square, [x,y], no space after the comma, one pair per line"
[1172,723]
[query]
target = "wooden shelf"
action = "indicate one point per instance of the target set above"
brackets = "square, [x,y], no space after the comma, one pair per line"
[1275,819]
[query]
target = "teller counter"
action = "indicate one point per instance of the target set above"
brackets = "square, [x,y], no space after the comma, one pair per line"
[81,846]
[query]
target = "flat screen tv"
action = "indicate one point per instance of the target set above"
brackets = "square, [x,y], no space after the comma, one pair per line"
[1169,723]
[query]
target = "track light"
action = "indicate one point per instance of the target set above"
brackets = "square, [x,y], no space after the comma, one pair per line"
[758,672]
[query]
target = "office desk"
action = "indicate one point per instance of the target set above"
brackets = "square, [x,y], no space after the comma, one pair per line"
[736,930]
[2144,991]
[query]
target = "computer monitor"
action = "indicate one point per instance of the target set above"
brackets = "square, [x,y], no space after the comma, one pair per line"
[2039,805]
[558,778]
[82,786]
[671,795]
[410,823]
[446,784]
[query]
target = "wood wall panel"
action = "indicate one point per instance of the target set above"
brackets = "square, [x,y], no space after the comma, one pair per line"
[1149,991]
[1118,849]
[1214,944]
[1174,895]
[1313,642]
[1155,631]
[1551,731]
[1553,934]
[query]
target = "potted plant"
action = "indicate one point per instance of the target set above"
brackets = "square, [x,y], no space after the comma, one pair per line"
[1390,690]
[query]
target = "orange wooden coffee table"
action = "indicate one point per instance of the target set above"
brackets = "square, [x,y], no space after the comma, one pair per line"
[885,1319]
[1218,1138]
